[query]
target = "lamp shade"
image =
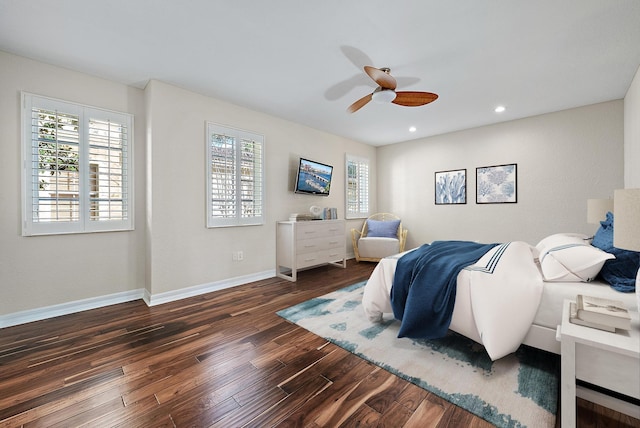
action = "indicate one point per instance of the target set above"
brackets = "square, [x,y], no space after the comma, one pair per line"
[626,223]
[597,209]
[383,96]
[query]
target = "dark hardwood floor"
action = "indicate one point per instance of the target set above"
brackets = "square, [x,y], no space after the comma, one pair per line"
[222,359]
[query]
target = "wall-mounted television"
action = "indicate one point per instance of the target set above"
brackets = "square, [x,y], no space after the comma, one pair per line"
[314,178]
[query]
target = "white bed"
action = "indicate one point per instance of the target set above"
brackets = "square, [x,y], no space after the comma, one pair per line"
[546,315]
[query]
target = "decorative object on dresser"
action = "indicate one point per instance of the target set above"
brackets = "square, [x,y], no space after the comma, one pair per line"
[315,211]
[330,213]
[599,312]
[301,217]
[626,234]
[306,244]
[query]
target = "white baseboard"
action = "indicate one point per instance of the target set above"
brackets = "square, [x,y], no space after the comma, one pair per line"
[31,315]
[38,314]
[196,290]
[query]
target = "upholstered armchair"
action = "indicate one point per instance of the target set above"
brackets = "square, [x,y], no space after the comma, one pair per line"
[382,235]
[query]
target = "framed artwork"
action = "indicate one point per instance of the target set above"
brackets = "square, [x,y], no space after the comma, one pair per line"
[497,184]
[451,187]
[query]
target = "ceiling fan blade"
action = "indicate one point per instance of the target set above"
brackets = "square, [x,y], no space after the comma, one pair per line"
[413,98]
[381,77]
[359,104]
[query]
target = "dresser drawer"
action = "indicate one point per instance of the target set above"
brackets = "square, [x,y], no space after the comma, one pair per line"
[320,257]
[312,259]
[335,254]
[317,229]
[309,229]
[334,230]
[332,242]
[305,246]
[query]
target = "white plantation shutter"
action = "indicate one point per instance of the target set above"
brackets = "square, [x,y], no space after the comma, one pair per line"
[235,179]
[357,193]
[77,167]
[108,166]
[251,177]
[223,176]
[54,174]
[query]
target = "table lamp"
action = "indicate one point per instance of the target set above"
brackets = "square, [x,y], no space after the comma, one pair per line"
[597,210]
[626,226]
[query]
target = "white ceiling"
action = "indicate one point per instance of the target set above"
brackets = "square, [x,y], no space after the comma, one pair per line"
[302,61]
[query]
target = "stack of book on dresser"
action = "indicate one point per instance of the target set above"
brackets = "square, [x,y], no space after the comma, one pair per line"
[600,313]
[302,217]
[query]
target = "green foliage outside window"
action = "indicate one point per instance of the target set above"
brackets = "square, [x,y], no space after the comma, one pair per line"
[53,155]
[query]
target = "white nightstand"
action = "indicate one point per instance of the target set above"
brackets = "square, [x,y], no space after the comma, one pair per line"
[608,360]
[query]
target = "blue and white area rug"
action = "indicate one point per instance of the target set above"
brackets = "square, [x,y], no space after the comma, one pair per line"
[519,390]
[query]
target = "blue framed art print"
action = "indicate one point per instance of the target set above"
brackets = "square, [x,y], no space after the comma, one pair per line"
[497,184]
[451,187]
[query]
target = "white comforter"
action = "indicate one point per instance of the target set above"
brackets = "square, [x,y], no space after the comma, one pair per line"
[496,299]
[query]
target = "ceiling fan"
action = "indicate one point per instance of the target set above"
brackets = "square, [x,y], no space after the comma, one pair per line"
[386,92]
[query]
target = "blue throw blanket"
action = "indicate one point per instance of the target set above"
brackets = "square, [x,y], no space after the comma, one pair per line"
[424,286]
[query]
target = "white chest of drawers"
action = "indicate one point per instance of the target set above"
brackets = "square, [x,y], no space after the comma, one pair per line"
[303,244]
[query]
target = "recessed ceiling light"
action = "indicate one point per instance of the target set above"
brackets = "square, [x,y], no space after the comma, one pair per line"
[499,109]
[412,129]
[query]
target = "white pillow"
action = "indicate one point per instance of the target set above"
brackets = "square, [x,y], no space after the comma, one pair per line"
[569,257]
[562,239]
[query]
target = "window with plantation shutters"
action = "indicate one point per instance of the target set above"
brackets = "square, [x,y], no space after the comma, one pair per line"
[235,178]
[76,168]
[357,192]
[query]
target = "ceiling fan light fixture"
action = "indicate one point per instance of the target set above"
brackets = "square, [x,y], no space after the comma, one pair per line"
[384,96]
[386,93]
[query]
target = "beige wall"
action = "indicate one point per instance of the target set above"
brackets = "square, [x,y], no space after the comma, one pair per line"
[41,271]
[563,159]
[632,134]
[182,251]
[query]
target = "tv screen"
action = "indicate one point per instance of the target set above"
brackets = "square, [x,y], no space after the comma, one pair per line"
[313,178]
